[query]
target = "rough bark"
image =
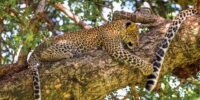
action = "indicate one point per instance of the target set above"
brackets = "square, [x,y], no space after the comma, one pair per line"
[94,75]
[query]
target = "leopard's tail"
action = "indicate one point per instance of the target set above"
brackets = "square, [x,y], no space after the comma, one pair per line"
[163,47]
[36,83]
[34,64]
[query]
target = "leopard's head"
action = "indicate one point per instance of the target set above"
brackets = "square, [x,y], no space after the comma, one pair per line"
[130,34]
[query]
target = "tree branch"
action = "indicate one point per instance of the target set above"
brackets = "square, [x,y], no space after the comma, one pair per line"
[1,30]
[72,16]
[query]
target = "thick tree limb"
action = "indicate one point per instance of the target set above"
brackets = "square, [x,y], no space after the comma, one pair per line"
[94,75]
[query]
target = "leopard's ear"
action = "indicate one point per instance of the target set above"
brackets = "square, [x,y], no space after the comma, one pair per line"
[127,24]
[130,27]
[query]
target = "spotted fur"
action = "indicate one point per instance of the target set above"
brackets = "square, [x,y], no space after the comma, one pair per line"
[113,37]
[162,49]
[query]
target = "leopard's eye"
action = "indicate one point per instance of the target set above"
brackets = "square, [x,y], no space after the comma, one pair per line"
[130,44]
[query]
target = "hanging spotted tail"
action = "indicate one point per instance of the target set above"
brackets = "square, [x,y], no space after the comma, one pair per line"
[33,63]
[161,51]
